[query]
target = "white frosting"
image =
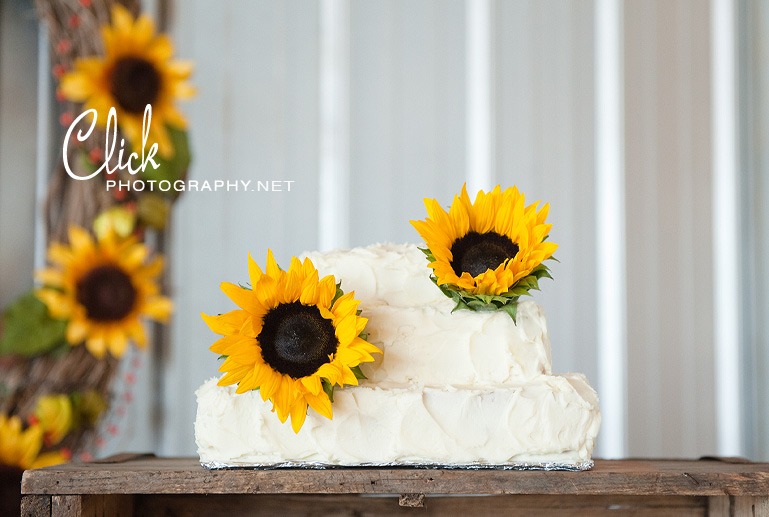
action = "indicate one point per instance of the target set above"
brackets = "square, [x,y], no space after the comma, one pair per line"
[423,341]
[460,387]
[548,419]
[431,346]
[382,274]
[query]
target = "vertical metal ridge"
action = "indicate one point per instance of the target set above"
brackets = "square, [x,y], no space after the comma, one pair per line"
[610,231]
[334,179]
[43,153]
[479,127]
[726,230]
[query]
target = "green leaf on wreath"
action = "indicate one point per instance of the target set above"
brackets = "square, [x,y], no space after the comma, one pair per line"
[28,328]
[172,168]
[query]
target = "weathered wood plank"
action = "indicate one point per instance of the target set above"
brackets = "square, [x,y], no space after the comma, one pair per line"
[66,506]
[752,506]
[608,477]
[36,506]
[364,506]
[761,506]
[718,506]
[92,505]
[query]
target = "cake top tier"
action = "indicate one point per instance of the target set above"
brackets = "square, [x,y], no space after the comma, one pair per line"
[422,340]
[382,274]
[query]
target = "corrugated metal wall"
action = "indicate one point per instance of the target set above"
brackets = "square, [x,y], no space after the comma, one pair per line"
[258,116]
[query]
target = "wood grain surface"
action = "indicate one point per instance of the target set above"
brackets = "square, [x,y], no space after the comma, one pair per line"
[150,475]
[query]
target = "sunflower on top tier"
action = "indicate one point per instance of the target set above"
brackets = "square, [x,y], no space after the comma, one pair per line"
[103,288]
[136,70]
[486,254]
[293,338]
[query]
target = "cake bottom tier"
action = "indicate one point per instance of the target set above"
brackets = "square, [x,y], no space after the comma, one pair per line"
[548,419]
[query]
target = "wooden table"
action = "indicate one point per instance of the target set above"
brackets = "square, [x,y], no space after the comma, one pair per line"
[145,485]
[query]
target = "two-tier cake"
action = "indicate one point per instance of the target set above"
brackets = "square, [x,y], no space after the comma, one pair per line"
[449,388]
[426,363]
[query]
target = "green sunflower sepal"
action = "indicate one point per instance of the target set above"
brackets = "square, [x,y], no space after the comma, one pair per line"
[506,302]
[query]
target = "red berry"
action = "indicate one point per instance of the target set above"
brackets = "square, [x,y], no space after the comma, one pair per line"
[63,46]
[119,194]
[66,118]
[74,21]
[59,70]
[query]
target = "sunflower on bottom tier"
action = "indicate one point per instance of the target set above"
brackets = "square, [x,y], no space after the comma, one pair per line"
[103,288]
[293,338]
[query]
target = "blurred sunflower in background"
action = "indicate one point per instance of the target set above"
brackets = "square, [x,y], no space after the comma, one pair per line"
[136,70]
[21,448]
[293,338]
[103,288]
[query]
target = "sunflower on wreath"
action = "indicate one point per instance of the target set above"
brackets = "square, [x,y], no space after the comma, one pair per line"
[294,338]
[103,288]
[488,253]
[136,70]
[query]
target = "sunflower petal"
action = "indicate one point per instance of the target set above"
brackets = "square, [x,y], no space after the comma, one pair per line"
[298,414]
[320,404]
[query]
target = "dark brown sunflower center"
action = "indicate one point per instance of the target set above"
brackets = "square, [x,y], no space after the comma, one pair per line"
[475,252]
[107,293]
[296,339]
[134,83]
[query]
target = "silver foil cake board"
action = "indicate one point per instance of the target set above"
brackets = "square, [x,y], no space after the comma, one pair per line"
[573,467]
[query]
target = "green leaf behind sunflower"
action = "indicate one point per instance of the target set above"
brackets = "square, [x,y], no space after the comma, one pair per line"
[507,302]
[28,328]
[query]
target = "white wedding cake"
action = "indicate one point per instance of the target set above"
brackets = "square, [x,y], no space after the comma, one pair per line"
[450,388]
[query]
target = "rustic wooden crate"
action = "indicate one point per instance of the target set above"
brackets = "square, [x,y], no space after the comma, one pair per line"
[145,485]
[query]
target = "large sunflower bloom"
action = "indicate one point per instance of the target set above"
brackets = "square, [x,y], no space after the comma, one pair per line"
[22,448]
[136,70]
[103,288]
[485,247]
[292,334]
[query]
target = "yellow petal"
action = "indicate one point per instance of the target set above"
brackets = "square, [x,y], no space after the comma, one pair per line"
[76,332]
[122,20]
[273,269]
[320,404]
[298,414]
[116,342]
[158,308]
[243,298]
[254,271]
[97,346]
[229,323]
